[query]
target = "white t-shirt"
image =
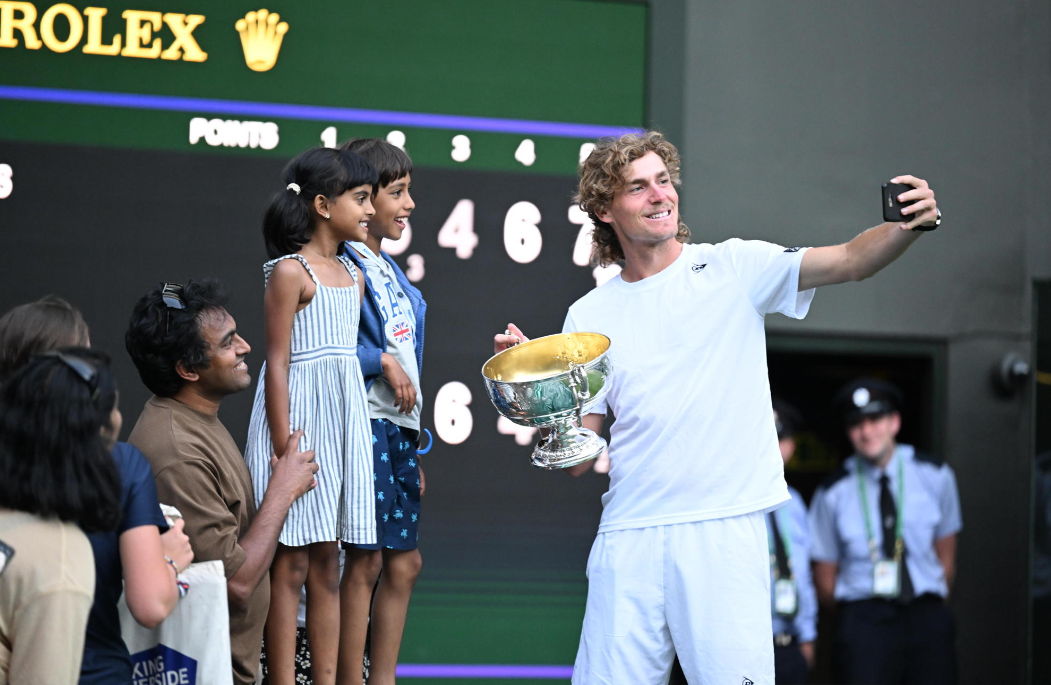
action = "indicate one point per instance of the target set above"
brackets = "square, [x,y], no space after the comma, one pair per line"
[693,434]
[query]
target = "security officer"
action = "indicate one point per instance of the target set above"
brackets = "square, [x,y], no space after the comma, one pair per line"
[883,531]
[793,602]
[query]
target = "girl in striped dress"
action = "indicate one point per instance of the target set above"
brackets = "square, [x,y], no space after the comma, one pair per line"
[312,381]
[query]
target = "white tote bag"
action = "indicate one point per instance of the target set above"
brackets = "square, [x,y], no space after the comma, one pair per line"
[192,645]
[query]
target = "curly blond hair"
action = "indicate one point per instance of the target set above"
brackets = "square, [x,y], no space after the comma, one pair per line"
[602,175]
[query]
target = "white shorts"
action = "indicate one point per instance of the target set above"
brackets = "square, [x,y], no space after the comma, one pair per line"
[700,590]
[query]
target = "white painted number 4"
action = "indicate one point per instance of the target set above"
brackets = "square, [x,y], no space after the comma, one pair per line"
[526,152]
[458,230]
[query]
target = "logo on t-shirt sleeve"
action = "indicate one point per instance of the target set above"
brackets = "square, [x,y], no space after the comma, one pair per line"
[793,249]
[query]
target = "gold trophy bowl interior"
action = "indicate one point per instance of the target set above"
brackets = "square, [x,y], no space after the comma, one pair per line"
[545,357]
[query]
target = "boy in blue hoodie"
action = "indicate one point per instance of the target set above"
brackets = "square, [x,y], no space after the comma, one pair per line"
[390,350]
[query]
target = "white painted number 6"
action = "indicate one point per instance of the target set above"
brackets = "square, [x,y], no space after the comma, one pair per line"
[452,417]
[522,238]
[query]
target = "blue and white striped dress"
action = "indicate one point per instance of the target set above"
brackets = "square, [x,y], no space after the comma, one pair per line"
[328,402]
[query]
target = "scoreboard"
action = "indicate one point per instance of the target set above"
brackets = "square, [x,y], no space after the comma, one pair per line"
[470,84]
[140,141]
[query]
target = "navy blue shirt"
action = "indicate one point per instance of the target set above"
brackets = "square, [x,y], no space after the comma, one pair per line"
[106,658]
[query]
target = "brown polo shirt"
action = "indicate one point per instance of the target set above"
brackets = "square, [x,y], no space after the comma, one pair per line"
[200,472]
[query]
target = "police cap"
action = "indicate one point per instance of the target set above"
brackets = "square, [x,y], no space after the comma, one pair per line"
[864,398]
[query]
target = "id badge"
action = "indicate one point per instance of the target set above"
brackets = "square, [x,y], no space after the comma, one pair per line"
[886,578]
[786,600]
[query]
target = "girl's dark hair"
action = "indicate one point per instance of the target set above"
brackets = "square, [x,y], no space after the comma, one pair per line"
[288,223]
[54,461]
[36,327]
[159,337]
[389,161]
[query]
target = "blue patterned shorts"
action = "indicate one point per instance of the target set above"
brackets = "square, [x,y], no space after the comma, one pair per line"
[396,472]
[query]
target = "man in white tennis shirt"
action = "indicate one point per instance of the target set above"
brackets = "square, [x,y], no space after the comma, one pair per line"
[680,564]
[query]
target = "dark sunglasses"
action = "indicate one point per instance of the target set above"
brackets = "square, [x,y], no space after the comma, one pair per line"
[171,295]
[84,369]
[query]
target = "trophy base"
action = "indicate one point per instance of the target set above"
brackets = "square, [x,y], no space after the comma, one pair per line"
[564,448]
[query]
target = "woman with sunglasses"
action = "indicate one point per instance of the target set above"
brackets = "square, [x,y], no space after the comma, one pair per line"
[146,552]
[125,558]
[133,556]
[57,480]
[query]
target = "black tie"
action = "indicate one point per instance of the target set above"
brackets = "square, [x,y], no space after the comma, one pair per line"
[889,515]
[779,548]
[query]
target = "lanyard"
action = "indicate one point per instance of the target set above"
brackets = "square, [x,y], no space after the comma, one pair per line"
[386,270]
[899,545]
[786,538]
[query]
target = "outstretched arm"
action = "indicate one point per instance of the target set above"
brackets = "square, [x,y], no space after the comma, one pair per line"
[875,248]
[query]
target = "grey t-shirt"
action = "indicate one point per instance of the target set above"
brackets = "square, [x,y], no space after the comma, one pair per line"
[399,326]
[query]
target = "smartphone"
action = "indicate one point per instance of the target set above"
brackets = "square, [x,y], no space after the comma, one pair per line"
[891,207]
[5,556]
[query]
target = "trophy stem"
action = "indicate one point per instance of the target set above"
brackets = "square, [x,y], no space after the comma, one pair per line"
[567,444]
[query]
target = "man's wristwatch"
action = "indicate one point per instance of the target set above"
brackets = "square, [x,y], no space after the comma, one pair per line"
[930,227]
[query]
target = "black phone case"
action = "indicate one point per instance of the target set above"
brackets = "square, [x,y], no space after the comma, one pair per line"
[891,207]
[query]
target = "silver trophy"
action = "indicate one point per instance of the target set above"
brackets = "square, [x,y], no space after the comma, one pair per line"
[551,382]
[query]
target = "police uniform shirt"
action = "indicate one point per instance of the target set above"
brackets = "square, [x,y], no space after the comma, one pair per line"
[930,512]
[792,522]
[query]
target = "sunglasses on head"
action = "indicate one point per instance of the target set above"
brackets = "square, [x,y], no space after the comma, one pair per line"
[171,295]
[84,369]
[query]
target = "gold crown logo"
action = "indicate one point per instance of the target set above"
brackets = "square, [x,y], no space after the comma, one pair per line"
[261,36]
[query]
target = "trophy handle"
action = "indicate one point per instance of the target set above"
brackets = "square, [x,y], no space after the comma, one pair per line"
[578,383]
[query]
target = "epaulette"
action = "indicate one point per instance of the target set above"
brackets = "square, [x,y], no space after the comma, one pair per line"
[834,477]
